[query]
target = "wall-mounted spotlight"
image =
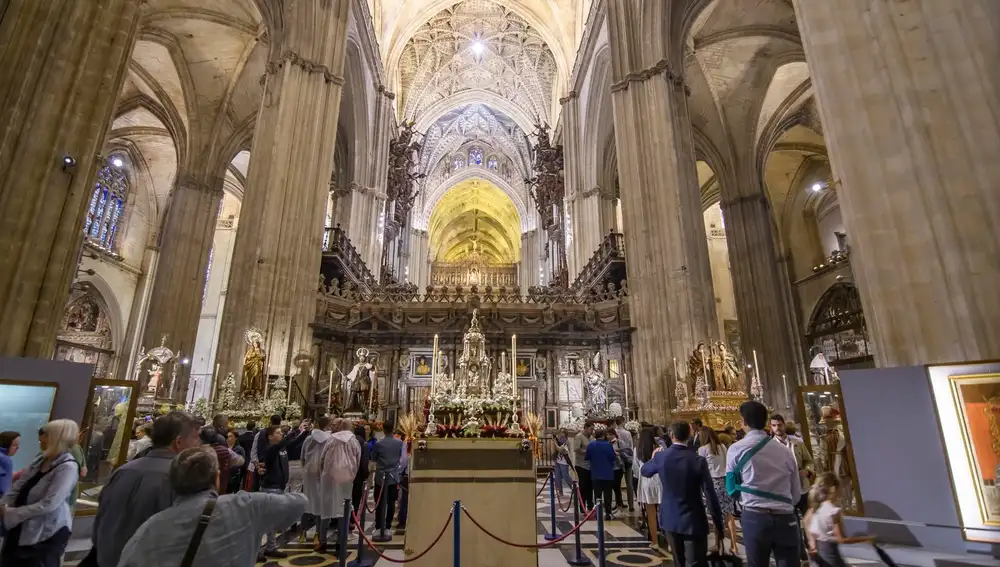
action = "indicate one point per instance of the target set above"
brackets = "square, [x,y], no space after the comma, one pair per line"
[817,187]
[117,161]
[68,162]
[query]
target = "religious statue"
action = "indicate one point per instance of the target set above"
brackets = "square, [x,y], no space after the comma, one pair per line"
[696,367]
[155,373]
[253,364]
[729,372]
[595,388]
[473,365]
[359,383]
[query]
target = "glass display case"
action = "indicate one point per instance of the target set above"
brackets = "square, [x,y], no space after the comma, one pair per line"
[27,407]
[828,437]
[104,437]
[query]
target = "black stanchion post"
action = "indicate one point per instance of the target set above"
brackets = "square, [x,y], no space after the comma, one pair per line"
[601,559]
[383,505]
[342,534]
[629,490]
[361,560]
[552,507]
[457,545]
[578,558]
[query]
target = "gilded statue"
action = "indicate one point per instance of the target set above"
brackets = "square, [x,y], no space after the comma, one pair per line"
[696,366]
[253,364]
[729,372]
[423,369]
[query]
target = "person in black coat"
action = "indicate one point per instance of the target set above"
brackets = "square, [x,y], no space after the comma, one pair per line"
[362,475]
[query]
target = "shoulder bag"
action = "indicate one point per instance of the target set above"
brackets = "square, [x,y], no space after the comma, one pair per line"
[192,548]
[734,478]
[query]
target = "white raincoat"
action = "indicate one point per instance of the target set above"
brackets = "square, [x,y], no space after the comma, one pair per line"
[343,451]
[312,469]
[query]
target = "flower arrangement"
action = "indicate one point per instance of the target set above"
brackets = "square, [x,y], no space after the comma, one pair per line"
[598,426]
[632,427]
[472,428]
[615,409]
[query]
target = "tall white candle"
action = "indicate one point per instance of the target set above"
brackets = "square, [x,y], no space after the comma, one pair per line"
[215,385]
[434,365]
[329,394]
[513,364]
[756,367]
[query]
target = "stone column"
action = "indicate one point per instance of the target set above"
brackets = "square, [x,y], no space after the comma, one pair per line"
[758,287]
[528,273]
[277,255]
[420,273]
[61,68]
[909,94]
[178,290]
[672,302]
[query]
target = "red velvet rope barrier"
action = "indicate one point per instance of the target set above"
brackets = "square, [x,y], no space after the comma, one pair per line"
[361,532]
[377,500]
[531,545]
[544,484]
[568,506]
[579,500]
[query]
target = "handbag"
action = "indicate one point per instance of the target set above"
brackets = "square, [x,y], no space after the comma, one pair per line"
[199,531]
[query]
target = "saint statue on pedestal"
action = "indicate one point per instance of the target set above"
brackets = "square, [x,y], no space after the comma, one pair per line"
[253,364]
[596,392]
[359,383]
[729,372]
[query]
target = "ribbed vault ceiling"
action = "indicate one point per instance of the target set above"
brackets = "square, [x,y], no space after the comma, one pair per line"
[475,215]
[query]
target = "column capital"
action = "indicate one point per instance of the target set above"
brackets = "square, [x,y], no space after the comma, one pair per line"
[190,181]
[570,96]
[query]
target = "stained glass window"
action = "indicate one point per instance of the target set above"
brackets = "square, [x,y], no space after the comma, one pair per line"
[492,163]
[457,163]
[476,156]
[107,205]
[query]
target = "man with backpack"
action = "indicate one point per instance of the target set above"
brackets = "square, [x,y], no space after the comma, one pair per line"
[763,475]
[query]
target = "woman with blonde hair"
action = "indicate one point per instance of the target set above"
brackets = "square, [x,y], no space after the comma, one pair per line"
[714,451]
[36,512]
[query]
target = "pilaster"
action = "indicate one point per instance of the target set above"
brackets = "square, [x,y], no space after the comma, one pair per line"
[909,94]
[61,68]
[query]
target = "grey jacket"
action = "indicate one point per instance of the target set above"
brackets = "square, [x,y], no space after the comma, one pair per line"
[133,494]
[231,539]
[47,510]
[387,454]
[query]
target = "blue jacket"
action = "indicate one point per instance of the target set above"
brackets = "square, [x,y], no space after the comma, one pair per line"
[601,456]
[684,476]
[6,472]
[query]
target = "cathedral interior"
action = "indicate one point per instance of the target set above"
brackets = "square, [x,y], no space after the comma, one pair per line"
[276,191]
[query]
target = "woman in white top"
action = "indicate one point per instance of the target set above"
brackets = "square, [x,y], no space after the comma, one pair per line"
[825,530]
[648,495]
[715,452]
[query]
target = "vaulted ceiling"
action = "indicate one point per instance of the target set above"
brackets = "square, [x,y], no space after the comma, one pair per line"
[475,211]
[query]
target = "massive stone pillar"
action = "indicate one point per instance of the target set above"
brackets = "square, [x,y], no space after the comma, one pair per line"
[185,246]
[670,282]
[419,262]
[62,64]
[277,255]
[909,94]
[759,287]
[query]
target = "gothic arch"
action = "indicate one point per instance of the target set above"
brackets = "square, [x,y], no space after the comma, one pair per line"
[837,326]
[90,331]
[422,217]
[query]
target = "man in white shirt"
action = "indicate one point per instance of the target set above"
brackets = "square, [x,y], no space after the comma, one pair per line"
[769,489]
[803,459]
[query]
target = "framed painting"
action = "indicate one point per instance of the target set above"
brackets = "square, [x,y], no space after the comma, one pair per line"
[421,365]
[967,399]
[524,367]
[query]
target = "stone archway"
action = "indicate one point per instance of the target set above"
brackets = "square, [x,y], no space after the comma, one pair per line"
[85,333]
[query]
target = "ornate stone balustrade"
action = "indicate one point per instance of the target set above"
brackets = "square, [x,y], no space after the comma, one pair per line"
[607,263]
[835,258]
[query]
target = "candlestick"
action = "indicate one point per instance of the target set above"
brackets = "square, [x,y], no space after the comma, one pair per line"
[434,365]
[215,385]
[513,364]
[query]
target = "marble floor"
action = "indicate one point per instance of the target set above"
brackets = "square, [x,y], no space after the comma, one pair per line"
[625,544]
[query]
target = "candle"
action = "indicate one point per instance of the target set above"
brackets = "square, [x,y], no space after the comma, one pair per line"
[513,363]
[434,364]
[756,367]
[625,381]
[215,384]
[329,394]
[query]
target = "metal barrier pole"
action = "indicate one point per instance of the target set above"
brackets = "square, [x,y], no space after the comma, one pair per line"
[578,558]
[630,492]
[383,505]
[457,546]
[552,535]
[342,533]
[600,536]
[361,560]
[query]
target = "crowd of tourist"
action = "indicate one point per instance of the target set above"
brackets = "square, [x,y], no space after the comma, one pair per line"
[693,481]
[207,492]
